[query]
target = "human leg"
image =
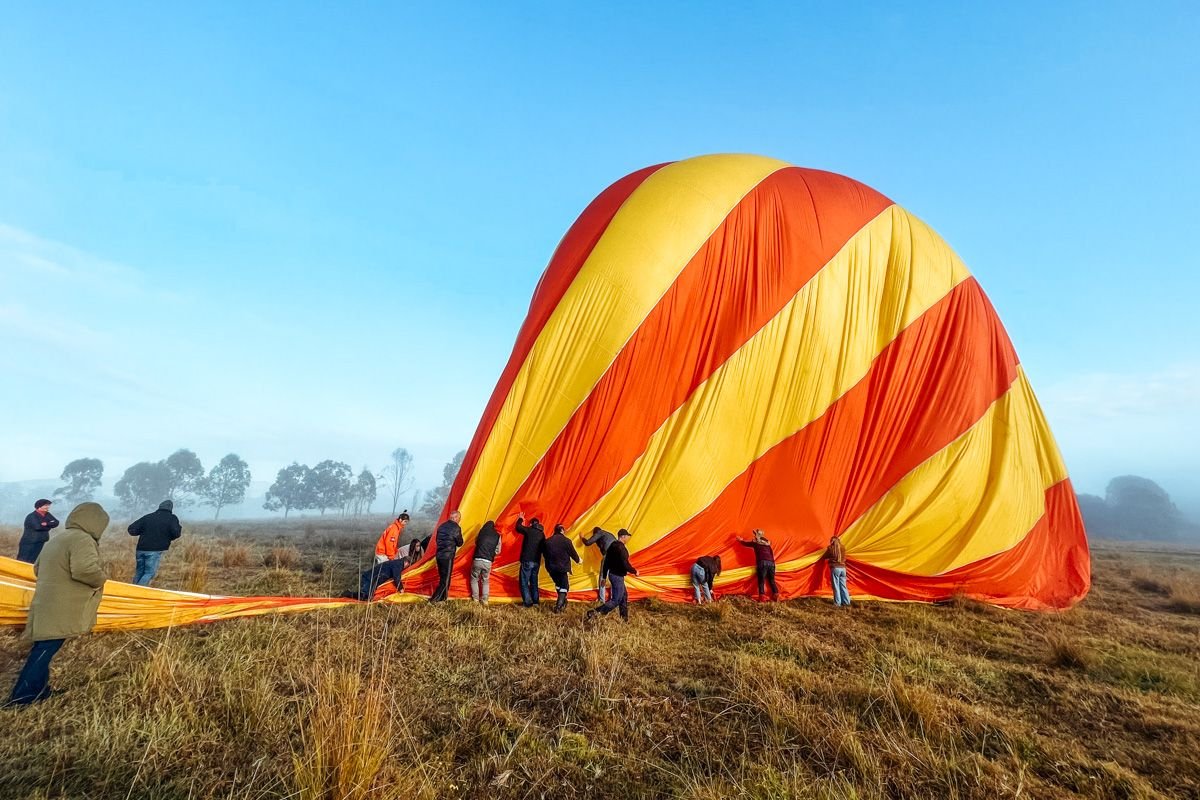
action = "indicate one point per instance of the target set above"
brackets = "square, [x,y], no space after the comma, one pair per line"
[698,581]
[600,590]
[562,585]
[769,574]
[444,567]
[841,592]
[33,683]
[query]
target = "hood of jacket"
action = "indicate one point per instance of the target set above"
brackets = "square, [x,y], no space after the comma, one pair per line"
[91,518]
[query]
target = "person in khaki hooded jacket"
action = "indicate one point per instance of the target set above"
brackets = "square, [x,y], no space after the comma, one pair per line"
[70,583]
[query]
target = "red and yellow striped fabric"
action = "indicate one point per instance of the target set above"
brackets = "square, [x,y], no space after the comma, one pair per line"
[730,342]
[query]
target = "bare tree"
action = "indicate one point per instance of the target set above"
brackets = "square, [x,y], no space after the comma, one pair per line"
[398,475]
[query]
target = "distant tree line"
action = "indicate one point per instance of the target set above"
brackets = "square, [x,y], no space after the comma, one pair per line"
[179,477]
[1134,508]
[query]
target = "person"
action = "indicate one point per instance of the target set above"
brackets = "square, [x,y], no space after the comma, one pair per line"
[533,536]
[379,574]
[70,583]
[836,554]
[764,562]
[602,539]
[388,546]
[449,539]
[415,551]
[559,553]
[704,572]
[38,525]
[155,532]
[616,560]
[487,549]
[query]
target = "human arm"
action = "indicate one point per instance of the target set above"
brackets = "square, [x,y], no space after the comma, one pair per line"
[574,554]
[51,522]
[176,528]
[136,527]
[83,559]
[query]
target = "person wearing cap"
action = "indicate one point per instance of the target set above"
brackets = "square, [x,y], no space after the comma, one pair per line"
[764,562]
[70,583]
[449,539]
[704,572]
[533,537]
[38,525]
[602,539]
[617,562]
[155,532]
[559,553]
[388,546]
[487,550]
[835,554]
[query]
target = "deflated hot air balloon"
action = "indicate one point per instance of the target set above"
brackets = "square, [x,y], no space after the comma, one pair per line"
[730,342]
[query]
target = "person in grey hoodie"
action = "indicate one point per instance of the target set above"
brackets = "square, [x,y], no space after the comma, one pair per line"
[602,539]
[487,550]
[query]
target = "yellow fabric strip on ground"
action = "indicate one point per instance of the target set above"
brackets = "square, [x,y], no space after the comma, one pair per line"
[978,496]
[820,345]
[645,247]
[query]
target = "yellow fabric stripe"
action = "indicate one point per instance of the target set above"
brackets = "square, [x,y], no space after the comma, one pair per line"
[820,345]
[648,243]
[977,497]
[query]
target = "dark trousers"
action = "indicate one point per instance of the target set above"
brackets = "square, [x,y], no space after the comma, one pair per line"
[445,564]
[618,598]
[29,551]
[33,683]
[380,573]
[529,583]
[766,575]
[562,582]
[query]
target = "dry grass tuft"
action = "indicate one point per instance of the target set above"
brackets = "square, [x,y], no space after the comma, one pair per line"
[1068,652]
[282,557]
[235,554]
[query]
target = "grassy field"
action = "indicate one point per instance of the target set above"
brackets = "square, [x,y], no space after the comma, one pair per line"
[791,700]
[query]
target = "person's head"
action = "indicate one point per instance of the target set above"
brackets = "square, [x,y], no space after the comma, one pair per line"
[624,535]
[535,522]
[166,505]
[455,516]
[403,516]
[833,538]
[559,530]
[717,560]
[758,534]
[90,518]
[490,525]
[42,505]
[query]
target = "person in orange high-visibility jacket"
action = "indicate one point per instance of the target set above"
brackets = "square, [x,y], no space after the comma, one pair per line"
[388,546]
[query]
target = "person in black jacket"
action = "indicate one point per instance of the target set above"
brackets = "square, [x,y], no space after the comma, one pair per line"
[38,525]
[617,562]
[449,539]
[533,538]
[487,548]
[559,553]
[155,532]
[602,539]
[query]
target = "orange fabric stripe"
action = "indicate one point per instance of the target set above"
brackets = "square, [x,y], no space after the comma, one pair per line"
[771,244]
[928,386]
[564,265]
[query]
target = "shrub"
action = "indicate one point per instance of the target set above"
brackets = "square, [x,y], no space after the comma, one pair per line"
[235,554]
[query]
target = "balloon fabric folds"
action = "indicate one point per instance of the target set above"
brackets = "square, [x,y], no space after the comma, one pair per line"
[730,342]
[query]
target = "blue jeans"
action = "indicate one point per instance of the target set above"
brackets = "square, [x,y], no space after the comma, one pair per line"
[618,599]
[147,566]
[529,583]
[841,593]
[33,683]
[700,583]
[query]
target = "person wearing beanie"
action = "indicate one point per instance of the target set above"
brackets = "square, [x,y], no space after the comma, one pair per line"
[487,549]
[155,532]
[559,553]
[602,539]
[449,539]
[533,538]
[617,562]
[70,583]
[38,525]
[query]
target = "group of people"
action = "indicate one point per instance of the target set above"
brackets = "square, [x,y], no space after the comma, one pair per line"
[70,580]
[557,552]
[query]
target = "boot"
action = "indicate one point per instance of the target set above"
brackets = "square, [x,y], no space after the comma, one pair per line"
[561,604]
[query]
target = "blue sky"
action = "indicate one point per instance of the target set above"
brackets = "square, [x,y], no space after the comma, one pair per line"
[298,232]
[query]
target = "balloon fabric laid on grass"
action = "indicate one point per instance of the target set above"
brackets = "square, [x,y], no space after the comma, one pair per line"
[730,342]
